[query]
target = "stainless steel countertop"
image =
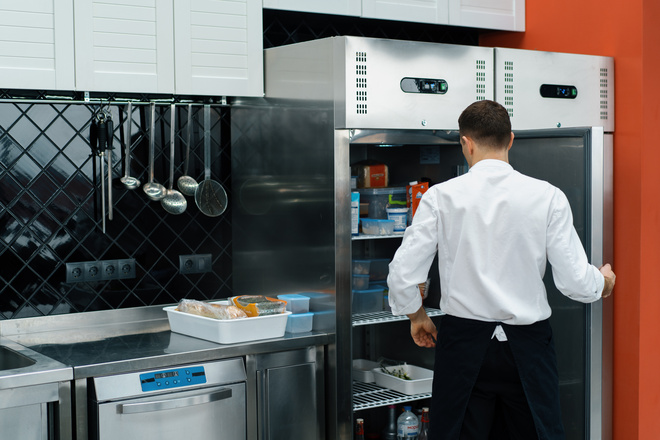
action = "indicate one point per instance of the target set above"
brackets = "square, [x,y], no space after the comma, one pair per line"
[119,341]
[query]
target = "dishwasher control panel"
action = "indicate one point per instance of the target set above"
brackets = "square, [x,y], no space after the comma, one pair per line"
[174,378]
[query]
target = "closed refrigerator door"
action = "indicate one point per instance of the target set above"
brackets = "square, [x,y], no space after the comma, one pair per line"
[575,160]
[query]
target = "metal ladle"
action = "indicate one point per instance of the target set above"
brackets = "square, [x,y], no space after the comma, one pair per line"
[128,181]
[187,185]
[173,202]
[153,190]
[210,196]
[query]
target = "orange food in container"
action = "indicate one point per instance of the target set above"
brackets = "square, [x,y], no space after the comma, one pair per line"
[258,305]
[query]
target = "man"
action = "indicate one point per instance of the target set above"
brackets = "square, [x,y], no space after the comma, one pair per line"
[493,230]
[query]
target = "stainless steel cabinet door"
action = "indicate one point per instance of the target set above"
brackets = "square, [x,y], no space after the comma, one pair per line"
[289,395]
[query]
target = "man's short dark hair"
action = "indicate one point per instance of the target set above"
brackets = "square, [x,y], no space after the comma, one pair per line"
[486,122]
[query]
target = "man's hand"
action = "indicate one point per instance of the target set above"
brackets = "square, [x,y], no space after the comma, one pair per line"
[610,278]
[422,329]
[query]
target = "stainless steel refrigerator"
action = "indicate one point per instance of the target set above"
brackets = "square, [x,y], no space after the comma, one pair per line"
[334,102]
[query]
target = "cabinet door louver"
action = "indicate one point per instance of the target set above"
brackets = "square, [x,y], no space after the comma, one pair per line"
[36,44]
[218,47]
[124,45]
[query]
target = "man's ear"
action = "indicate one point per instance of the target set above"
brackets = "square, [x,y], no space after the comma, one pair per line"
[510,142]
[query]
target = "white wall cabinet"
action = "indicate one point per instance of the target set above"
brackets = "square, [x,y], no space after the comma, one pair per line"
[507,15]
[124,46]
[36,44]
[336,7]
[218,47]
[488,14]
[421,11]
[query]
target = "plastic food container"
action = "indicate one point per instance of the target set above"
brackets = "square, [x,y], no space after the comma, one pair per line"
[361,267]
[379,198]
[372,226]
[295,303]
[299,323]
[230,331]
[363,370]
[360,282]
[379,269]
[400,217]
[369,300]
[421,379]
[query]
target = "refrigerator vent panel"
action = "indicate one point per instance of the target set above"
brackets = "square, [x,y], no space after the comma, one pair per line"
[481,80]
[604,74]
[508,87]
[361,82]
[370,395]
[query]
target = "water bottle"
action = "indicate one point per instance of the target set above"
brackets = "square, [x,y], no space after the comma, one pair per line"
[407,425]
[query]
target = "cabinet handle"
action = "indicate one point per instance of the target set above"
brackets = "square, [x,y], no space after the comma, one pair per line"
[159,405]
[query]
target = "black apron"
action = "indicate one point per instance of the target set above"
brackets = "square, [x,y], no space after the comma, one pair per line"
[460,350]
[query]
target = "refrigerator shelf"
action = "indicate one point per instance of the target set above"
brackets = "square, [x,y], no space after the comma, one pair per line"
[370,395]
[374,237]
[386,316]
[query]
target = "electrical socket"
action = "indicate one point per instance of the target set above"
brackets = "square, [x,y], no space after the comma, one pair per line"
[126,268]
[197,263]
[109,270]
[93,271]
[75,272]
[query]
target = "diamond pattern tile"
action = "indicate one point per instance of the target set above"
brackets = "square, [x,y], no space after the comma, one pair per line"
[50,210]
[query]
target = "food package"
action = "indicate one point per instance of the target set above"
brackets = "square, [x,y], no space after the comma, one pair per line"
[414,194]
[215,311]
[371,175]
[258,305]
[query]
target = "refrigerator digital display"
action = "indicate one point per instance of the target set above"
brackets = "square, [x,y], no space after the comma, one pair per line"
[558,91]
[424,85]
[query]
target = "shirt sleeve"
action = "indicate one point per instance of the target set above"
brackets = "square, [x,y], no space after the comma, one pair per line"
[573,275]
[412,261]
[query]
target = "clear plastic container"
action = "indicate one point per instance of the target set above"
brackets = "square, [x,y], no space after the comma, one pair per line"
[379,268]
[377,226]
[361,267]
[378,199]
[299,323]
[407,425]
[360,282]
[295,303]
[368,300]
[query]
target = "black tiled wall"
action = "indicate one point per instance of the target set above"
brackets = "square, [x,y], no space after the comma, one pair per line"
[50,210]
[50,205]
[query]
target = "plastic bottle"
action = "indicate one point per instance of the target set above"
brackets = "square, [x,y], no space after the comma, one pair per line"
[407,425]
[424,425]
[359,429]
[389,433]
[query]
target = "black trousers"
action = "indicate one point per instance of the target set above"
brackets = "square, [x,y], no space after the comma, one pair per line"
[465,346]
[498,408]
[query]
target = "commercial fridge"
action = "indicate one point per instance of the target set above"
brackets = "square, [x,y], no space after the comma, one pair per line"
[335,102]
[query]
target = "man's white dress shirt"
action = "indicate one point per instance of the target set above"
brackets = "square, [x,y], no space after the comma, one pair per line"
[493,230]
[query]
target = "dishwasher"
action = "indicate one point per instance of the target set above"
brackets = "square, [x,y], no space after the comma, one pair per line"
[194,401]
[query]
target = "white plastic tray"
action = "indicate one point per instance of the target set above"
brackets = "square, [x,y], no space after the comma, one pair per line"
[231,331]
[363,370]
[421,380]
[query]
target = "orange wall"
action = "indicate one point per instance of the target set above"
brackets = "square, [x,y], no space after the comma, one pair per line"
[627,31]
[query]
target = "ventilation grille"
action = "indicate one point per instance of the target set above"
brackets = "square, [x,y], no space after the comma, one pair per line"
[361,82]
[508,87]
[604,99]
[481,80]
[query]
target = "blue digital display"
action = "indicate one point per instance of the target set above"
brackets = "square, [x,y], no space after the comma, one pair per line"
[175,378]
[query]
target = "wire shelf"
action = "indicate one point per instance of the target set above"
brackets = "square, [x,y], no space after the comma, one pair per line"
[374,237]
[386,316]
[370,395]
